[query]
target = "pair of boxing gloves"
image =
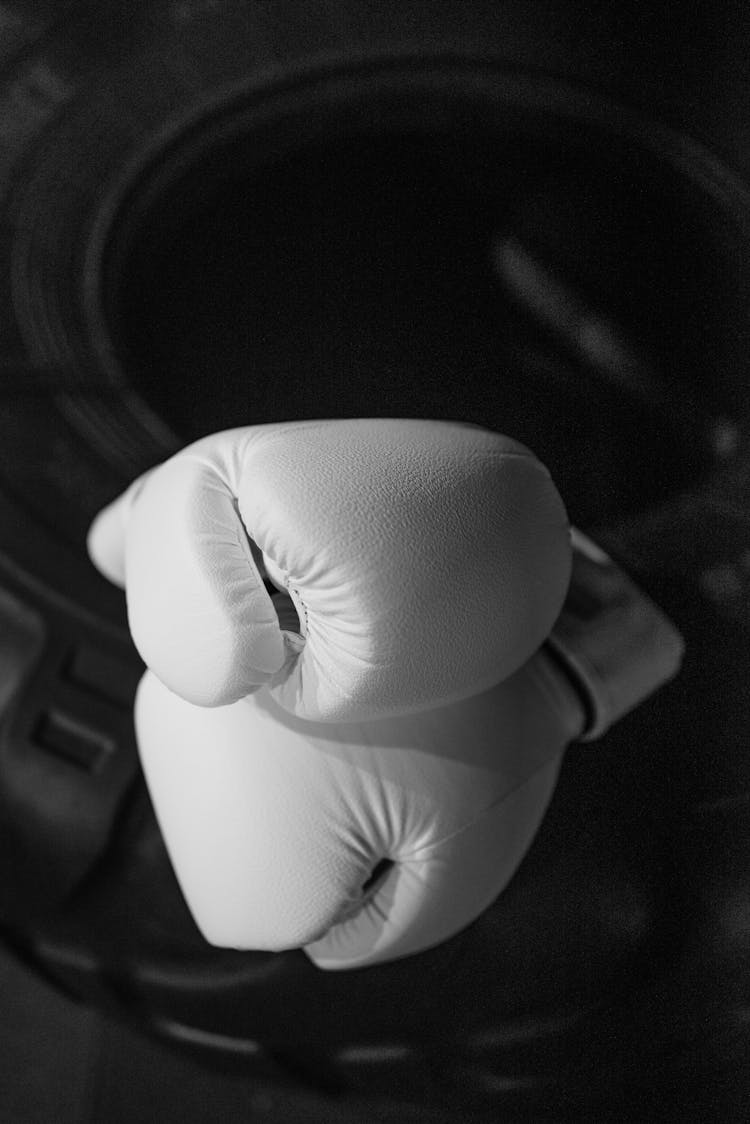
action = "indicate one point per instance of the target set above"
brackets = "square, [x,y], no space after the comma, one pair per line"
[357,764]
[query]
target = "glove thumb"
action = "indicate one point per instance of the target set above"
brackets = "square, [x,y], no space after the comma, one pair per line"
[105,541]
[214,591]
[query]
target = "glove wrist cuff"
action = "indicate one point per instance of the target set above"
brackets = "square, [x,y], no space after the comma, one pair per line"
[612,641]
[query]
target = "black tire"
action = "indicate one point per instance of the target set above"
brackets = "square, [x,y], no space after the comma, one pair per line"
[122,124]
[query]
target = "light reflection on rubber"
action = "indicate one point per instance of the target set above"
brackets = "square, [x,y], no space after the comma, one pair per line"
[194,1036]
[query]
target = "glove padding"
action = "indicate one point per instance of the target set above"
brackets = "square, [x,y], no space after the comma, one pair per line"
[274,824]
[426,562]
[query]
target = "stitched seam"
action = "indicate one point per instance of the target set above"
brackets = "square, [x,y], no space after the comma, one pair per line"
[302,603]
[419,852]
[193,458]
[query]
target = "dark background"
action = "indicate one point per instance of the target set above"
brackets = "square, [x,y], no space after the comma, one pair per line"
[611,980]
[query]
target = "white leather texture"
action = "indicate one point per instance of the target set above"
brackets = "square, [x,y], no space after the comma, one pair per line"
[426,561]
[273,823]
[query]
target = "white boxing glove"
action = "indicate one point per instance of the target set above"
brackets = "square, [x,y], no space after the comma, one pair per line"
[274,823]
[426,562]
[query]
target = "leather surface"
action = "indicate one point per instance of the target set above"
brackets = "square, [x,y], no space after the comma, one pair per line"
[274,824]
[426,560]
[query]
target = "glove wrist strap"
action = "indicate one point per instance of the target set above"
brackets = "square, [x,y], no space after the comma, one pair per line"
[612,641]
